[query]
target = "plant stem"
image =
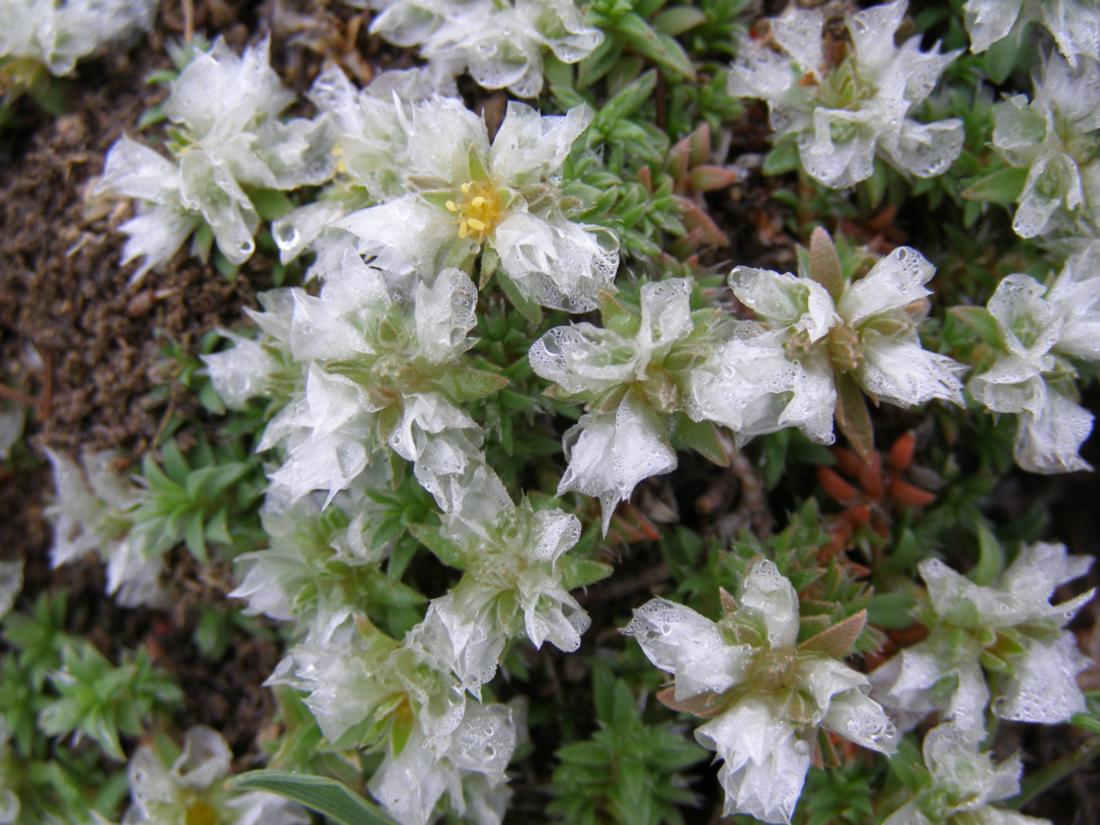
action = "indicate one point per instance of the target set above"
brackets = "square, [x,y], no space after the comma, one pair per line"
[1054,773]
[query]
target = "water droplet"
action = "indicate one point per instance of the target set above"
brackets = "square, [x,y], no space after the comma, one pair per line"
[286,235]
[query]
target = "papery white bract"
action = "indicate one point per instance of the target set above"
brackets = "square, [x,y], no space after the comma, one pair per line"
[467,765]
[964,784]
[765,730]
[225,141]
[1074,24]
[93,511]
[452,747]
[1016,620]
[512,586]
[465,195]
[842,116]
[1042,331]
[57,35]
[625,379]
[501,44]
[376,360]
[368,142]
[192,788]
[780,371]
[1055,137]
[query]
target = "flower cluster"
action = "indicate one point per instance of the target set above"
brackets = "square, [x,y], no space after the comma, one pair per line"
[1072,24]
[500,44]
[633,375]
[1038,333]
[58,34]
[962,782]
[228,143]
[464,196]
[367,689]
[1055,137]
[191,788]
[94,512]
[1009,628]
[842,112]
[818,340]
[764,694]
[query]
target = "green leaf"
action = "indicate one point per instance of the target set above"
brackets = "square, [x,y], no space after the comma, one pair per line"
[525,306]
[876,184]
[194,536]
[270,204]
[981,321]
[853,418]
[447,552]
[701,436]
[890,610]
[1002,186]
[174,463]
[598,64]
[582,572]
[783,158]
[328,797]
[660,48]
[991,558]
[464,383]
[1001,58]
[679,19]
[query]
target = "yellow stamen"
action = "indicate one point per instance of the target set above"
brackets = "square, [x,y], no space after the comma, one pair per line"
[478,209]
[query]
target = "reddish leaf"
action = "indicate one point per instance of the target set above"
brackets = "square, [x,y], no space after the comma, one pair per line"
[901,452]
[838,640]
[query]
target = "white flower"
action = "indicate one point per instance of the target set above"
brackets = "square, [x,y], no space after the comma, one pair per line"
[225,141]
[380,360]
[93,511]
[11,582]
[242,372]
[1074,24]
[57,35]
[369,145]
[501,44]
[765,694]
[631,386]
[842,115]
[782,371]
[964,781]
[466,195]
[1012,622]
[314,559]
[192,789]
[467,764]
[1055,137]
[1040,330]
[512,584]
